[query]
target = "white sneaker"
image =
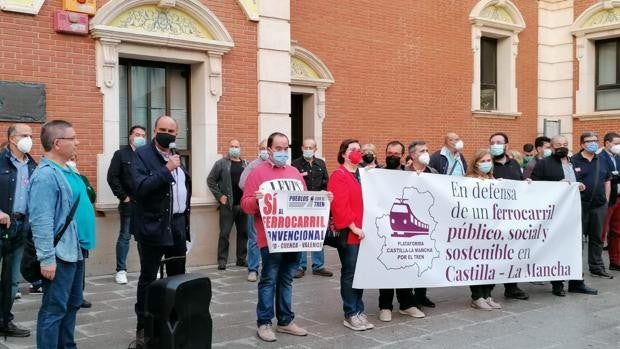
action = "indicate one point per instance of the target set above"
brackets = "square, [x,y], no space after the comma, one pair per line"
[121,277]
[481,304]
[18,295]
[365,322]
[265,332]
[252,276]
[385,315]
[413,312]
[493,304]
[355,323]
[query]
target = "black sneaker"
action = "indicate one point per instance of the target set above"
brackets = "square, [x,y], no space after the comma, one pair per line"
[425,302]
[583,289]
[221,266]
[86,304]
[242,263]
[516,293]
[13,330]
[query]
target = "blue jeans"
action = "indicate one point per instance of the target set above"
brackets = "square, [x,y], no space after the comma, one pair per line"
[12,251]
[124,236]
[253,251]
[276,283]
[352,303]
[318,259]
[61,300]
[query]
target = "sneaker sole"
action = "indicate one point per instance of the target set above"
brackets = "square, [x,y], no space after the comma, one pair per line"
[478,308]
[264,339]
[413,316]
[348,325]
[299,334]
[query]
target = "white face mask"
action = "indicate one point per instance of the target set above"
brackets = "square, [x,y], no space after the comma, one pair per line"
[424,159]
[72,164]
[615,149]
[25,144]
[459,145]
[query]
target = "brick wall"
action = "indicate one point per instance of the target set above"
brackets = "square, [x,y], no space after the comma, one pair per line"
[579,126]
[31,51]
[403,71]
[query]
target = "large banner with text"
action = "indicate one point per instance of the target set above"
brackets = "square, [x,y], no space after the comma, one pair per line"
[294,220]
[428,230]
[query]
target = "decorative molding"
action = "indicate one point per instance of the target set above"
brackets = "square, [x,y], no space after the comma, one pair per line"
[215,74]
[173,29]
[166,3]
[251,8]
[110,61]
[494,114]
[598,115]
[604,15]
[307,69]
[502,14]
[31,7]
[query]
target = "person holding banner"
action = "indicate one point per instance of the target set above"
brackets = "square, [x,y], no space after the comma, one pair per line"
[611,228]
[558,167]
[394,152]
[275,287]
[347,210]
[506,167]
[315,175]
[481,167]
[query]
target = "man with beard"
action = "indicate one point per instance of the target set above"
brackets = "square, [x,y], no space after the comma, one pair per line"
[558,167]
[506,168]
[393,155]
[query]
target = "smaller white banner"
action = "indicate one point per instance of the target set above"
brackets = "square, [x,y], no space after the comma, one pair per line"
[294,220]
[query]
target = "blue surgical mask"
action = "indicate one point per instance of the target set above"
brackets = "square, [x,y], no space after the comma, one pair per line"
[264,155]
[234,152]
[547,152]
[308,154]
[280,158]
[139,141]
[485,167]
[591,147]
[497,149]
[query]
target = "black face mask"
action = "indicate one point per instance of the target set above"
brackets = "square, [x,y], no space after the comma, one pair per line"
[561,152]
[164,139]
[392,162]
[368,158]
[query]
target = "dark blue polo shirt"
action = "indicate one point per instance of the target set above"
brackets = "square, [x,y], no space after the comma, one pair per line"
[585,170]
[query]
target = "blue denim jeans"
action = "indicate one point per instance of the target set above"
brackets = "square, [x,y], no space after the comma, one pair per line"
[253,251]
[12,250]
[61,300]
[276,286]
[124,236]
[352,303]
[318,260]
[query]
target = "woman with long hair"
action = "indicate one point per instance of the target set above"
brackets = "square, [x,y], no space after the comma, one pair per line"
[347,210]
[481,167]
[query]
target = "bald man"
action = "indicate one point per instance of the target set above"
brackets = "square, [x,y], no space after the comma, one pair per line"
[449,160]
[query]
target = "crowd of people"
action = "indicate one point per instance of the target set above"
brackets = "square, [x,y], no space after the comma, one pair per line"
[154,189]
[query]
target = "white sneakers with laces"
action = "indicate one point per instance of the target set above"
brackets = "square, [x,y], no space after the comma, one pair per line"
[121,277]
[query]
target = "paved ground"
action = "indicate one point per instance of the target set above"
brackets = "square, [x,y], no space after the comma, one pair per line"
[545,321]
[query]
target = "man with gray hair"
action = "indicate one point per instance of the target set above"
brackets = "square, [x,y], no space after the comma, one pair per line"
[54,189]
[17,166]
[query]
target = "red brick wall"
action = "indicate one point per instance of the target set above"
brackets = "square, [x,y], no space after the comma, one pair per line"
[579,126]
[31,51]
[404,71]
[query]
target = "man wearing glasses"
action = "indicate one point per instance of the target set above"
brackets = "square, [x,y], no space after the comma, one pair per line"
[54,189]
[596,176]
[17,166]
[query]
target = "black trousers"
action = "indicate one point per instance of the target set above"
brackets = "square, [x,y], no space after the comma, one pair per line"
[403,295]
[228,217]
[150,259]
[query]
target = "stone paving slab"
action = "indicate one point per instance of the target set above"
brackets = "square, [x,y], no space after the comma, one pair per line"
[544,321]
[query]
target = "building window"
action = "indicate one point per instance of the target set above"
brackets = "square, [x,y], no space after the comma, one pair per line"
[607,74]
[488,73]
[149,90]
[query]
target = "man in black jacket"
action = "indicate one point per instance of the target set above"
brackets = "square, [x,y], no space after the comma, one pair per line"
[121,183]
[315,175]
[16,167]
[160,220]
[558,168]
[611,228]
[506,168]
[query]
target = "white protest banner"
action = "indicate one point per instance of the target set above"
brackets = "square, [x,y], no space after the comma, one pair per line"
[432,230]
[293,220]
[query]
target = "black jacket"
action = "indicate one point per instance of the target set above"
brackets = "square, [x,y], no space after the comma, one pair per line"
[548,169]
[314,175]
[119,173]
[8,178]
[152,213]
[440,163]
